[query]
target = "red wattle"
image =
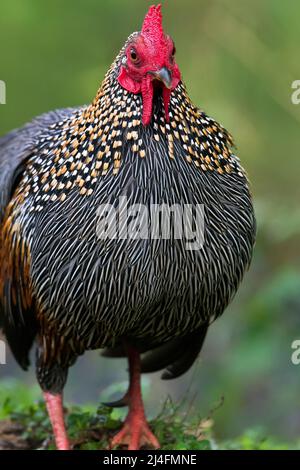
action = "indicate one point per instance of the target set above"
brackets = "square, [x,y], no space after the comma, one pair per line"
[145,87]
[147,95]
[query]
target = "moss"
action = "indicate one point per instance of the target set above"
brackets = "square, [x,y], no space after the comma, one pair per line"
[90,428]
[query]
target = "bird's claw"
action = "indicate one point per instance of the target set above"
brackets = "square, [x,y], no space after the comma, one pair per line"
[135,435]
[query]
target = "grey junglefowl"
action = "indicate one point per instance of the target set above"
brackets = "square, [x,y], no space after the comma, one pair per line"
[81,266]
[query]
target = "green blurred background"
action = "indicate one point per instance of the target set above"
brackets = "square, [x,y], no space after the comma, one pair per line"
[238,59]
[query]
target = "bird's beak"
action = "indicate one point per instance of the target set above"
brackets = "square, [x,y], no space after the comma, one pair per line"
[164,75]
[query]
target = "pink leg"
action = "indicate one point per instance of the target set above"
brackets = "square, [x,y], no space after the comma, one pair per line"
[135,432]
[54,404]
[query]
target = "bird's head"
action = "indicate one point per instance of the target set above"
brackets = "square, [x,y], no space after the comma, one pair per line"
[149,63]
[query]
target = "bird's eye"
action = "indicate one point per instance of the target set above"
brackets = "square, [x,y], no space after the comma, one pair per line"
[133,56]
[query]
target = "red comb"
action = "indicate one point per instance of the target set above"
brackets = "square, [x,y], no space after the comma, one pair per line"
[152,26]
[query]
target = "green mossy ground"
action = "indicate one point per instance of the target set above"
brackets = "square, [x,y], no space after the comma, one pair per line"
[25,425]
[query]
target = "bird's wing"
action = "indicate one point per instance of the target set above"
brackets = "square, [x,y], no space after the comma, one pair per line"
[17,146]
[17,318]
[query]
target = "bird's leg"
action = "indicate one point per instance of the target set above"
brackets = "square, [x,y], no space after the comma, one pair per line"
[54,404]
[136,431]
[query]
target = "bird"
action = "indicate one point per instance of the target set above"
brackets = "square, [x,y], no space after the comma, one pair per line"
[81,267]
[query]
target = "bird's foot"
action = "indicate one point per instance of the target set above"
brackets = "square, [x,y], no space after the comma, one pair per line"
[135,434]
